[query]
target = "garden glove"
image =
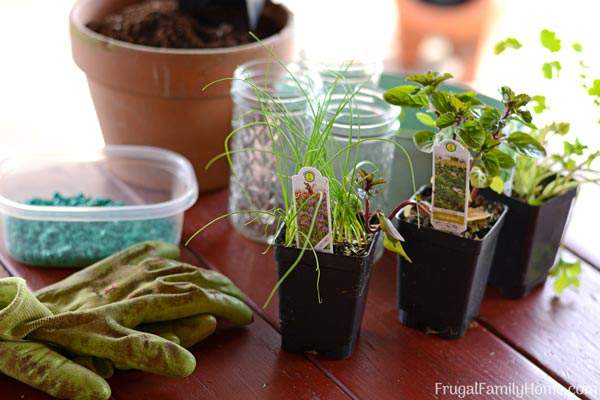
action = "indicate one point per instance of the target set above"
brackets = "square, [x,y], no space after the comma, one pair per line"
[36,364]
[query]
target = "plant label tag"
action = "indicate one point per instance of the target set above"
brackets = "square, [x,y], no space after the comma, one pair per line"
[450,198]
[313,210]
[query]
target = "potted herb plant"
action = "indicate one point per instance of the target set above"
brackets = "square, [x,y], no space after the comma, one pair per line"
[147,62]
[543,193]
[324,248]
[451,236]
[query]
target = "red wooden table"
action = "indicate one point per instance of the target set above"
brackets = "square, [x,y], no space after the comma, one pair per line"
[541,347]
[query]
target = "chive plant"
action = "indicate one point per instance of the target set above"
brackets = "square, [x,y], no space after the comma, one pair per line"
[294,146]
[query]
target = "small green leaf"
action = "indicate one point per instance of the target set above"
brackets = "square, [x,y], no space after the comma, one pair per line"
[577,47]
[540,104]
[565,274]
[508,43]
[457,104]
[526,145]
[478,177]
[489,118]
[549,40]
[551,69]
[445,120]
[440,102]
[426,119]
[392,240]
[595,89]
[472,134]
[491,163]
[505,160]
[497,184]
[424,141]
[402,96]
[429,79]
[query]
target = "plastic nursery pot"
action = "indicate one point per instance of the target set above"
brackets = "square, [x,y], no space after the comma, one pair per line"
[154,96]
[441,290]
[528,243]
[330,328]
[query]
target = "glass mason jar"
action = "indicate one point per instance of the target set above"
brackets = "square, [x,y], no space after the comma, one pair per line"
[270,112]
[367,117]
[346,75]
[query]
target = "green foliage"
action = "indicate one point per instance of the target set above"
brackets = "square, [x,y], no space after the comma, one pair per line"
[540,106]
[551,69]
[577,47]
[566,274]
[479,127]
[549,40]
[508,43]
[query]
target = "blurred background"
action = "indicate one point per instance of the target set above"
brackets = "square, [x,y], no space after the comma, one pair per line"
[45,103]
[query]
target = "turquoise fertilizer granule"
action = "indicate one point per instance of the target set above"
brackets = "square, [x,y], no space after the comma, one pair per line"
[78,244]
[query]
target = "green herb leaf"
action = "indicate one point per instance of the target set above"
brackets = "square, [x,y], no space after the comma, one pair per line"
[540,104]
[497,184]
[478,177]
[472,134]
[549,40]
[426,119]
[508,43]
[440,102]
[445,120]
[400,96]
[565,274]
[424,141]
[489,118]
[504,160]
[526,145]
[551,69]
[577,47]
[429,79]
[491,163]
[595,89]
[392,240]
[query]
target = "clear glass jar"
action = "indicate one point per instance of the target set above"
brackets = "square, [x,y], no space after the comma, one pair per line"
[269,102]
[346,75]
[369,117]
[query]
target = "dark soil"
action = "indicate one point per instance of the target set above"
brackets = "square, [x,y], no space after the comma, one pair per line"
[476,229]
[160,23]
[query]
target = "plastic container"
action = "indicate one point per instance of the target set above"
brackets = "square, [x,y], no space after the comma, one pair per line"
[528,243]
[441,290]
[332,327]
[155,186]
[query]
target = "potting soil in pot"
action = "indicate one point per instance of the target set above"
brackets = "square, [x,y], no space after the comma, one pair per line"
[475,229]
[75,243]
[160,23]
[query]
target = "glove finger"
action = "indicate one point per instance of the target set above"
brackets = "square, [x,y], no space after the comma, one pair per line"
[42,368]
[100,366]
[174,300]
[105,338]
[185,331]
[176,271]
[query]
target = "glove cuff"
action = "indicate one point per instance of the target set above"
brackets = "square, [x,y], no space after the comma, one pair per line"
[18,306]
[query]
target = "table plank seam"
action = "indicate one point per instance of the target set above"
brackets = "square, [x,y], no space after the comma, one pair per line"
[258,310]
[528,356]
[583,258]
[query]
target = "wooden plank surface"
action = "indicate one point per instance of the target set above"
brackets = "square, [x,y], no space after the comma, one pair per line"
[391,361]
[561,333]
[237,363]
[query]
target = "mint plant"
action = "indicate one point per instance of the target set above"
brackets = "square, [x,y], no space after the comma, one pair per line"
[482,129]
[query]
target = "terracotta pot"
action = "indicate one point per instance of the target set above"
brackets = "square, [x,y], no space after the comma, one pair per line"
[153,96]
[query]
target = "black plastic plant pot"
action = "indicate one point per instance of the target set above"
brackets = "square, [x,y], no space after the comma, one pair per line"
[441,290]
[528,243]
[331,327]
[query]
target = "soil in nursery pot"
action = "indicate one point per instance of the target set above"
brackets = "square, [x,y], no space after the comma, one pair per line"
[476,229]
[160,23]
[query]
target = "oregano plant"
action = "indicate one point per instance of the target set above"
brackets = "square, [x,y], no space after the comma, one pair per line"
[482,129]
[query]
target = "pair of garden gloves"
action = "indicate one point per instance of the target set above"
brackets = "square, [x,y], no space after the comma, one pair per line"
[138,309]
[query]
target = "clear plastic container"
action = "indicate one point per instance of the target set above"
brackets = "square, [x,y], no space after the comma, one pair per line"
[154,186]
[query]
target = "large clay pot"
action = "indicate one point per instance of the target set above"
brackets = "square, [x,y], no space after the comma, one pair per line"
[153,96]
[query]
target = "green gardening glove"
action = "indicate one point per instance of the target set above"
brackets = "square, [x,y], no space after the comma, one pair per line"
[34,363]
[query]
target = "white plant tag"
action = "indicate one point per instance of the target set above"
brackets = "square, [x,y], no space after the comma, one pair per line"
[450,197]
[312,203]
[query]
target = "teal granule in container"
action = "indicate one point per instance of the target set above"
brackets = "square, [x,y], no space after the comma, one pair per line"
[81,243]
